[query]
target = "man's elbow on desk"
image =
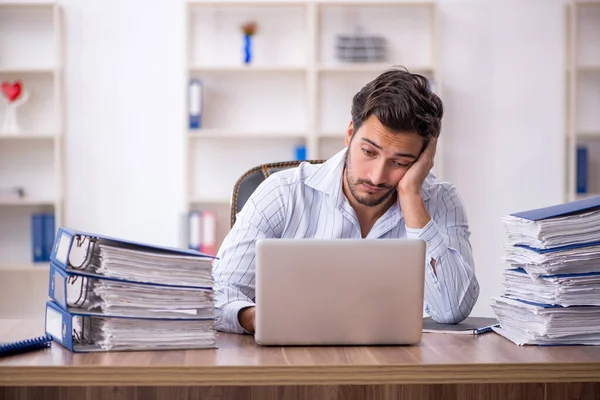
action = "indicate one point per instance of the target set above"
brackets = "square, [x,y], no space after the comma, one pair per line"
[460,308]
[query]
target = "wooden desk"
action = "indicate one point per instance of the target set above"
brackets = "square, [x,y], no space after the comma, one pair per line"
[442,366]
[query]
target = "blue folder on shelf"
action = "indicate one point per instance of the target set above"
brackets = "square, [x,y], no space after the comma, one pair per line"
[561,210]
[92,332]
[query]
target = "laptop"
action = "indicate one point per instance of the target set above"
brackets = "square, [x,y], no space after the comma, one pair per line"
[339,291]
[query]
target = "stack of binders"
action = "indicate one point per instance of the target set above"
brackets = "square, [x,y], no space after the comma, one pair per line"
[552,286]
[110,294]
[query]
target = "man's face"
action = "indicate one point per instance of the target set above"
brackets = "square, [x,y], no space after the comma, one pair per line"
[377,159]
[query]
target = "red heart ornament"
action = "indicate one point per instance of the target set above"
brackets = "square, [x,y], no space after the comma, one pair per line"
[11,91]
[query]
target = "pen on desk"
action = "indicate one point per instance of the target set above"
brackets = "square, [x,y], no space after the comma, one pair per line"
[486,329]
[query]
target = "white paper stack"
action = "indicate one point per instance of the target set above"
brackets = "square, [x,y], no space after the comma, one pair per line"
[552,282]
[579,260]
[153,267]
[554,232]
[150,334]
[527,323]
[564,290]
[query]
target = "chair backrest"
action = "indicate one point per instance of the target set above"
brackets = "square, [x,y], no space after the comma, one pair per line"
[248,182]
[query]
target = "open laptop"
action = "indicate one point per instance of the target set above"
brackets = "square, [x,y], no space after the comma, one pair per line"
[339,291]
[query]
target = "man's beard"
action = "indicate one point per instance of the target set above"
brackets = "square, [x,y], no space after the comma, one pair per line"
[368,201]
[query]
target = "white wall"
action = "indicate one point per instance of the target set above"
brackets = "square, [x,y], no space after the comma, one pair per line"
[125,104]
[502,67]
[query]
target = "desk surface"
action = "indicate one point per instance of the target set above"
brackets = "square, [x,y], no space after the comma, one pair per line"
[439,358]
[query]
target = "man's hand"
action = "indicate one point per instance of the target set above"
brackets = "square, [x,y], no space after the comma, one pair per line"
[412,205]
[246,318]
[411,182]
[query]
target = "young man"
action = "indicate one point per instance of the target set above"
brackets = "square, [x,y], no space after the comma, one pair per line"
[379,186]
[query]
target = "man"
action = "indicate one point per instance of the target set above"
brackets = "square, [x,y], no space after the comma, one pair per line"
[379,186]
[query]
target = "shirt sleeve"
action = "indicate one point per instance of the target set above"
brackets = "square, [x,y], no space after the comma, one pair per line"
[452,290]
[263,216]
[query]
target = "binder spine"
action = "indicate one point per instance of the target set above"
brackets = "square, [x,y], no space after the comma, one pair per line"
[59,325]
[195,104]
[37,238]
[62,248]
[582,169]
[194,230]
[57,286]
[209,232]
[48,236]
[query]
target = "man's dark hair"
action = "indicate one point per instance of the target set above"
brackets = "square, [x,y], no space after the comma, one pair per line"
[402,102]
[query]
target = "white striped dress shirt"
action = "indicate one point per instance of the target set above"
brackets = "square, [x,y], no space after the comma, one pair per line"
[308,202]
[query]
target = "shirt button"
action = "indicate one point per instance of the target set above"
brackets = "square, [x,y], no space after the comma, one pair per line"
[427,244]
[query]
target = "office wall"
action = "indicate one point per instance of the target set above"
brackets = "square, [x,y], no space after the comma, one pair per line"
[502,66]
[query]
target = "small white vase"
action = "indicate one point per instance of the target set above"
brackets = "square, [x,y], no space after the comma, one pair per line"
[10,123]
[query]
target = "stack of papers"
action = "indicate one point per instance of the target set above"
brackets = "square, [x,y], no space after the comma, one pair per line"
[552,282]
[141,265]
[570,260]
[121,295]
[562,290]
[122,298]
[567,224]
[149,334]
[529,323]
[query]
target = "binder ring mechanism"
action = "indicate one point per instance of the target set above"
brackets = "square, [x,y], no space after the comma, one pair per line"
[81,254]
[84,284]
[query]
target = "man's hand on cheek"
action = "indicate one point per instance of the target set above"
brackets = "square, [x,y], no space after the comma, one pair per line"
[411,182]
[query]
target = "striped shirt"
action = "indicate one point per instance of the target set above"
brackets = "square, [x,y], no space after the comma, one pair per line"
[308,202]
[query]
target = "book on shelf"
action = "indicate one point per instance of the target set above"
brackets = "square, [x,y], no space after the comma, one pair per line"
[42,236]
[202,231]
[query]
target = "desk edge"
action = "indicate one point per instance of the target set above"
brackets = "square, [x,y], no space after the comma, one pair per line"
[296,375]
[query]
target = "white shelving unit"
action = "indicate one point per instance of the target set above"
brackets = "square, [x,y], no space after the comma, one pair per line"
[294,92]
[31,51]
[582,76]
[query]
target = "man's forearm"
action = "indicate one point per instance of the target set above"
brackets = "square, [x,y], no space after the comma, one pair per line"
[415,214]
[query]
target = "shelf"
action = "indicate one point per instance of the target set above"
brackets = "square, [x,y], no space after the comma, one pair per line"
[246,68]
[27,70]
[371,67]
[226,134]
[585,195]
[32,4]
[27,202]
[377,3]
[211,200]
[588,134]
[588,68]
[331,135]
[25,267]
[30,136]
[238,3]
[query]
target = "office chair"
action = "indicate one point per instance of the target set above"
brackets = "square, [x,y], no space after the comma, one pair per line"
[248,182]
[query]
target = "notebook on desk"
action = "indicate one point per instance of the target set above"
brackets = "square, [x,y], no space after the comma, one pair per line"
[469,326]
